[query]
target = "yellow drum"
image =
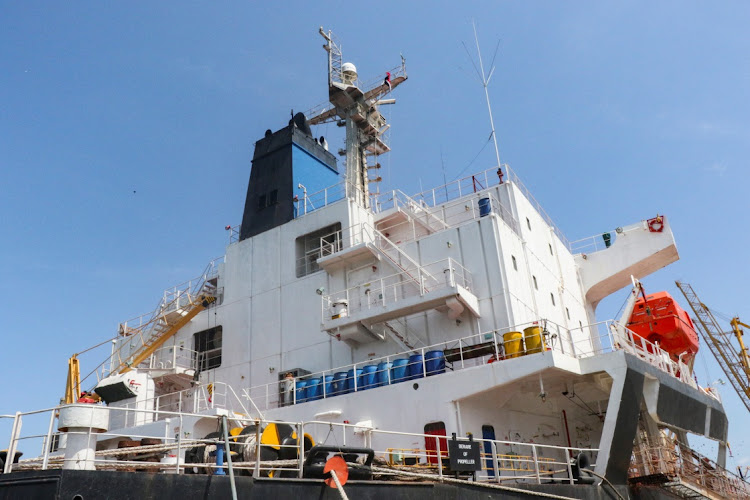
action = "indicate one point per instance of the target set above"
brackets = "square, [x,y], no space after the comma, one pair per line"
[513,344]
[533,338]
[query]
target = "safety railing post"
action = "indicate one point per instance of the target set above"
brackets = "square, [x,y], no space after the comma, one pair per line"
[48,440]
[354,376]
[301,450]
[256,470]
[424,364]
[461,352]
[495,465]
[13,440]
[572,343]
[536,464]
[570,467]
[439,457]
[179,448]
[494,342]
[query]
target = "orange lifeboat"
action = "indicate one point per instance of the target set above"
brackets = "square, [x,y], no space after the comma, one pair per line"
[659,319]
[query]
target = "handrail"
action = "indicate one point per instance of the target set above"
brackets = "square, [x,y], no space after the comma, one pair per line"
[418,276]
[596,242]
[144,327]
[535,459]
[559,339]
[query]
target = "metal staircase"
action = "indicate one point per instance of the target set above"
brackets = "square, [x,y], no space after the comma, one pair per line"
[418,212]
[386,248]
[163,326]
[142,336]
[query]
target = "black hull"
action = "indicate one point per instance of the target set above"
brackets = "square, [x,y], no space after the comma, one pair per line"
[112,485]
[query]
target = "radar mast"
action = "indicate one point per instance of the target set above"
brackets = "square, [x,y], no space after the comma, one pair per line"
[355,105]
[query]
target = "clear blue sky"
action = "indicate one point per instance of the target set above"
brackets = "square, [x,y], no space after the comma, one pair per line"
[126,132]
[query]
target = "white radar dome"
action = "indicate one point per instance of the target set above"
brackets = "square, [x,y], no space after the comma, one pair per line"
[348,72]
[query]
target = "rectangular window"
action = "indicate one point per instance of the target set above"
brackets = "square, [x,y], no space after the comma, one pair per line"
[567,312]
[528,223]
[550,249]
[207,347]
[273,197]
[515,265]
[535,284]
[315,245]
[552,296]
[261,202]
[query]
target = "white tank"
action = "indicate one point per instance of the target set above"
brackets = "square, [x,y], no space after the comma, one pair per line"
[348,72]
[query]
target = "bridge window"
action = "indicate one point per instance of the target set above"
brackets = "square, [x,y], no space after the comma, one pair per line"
[207,347]
[315,245]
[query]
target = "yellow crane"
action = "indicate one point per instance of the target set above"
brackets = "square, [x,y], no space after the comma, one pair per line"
[73,384]
[732,358]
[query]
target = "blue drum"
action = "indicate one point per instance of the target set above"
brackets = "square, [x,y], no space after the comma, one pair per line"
[301,386]
[434,362]
[416,369]
[327,386]
[314,389]
[368,379]
[399,370]
[382,376]
[339,384]
[350,379]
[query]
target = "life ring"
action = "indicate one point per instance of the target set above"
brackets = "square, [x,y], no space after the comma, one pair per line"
[656,225]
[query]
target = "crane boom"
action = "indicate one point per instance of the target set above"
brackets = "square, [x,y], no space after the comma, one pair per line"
[734,364]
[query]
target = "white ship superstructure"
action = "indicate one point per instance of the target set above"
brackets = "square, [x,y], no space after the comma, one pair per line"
[381,319]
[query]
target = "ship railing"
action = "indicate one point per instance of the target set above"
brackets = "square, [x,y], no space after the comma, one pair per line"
[302,205]
[465,352]
[683,465]
[450,214]
[45,437]
[201,398]
[365,86]
[389,290]
[136,332]
[319,199]
[603,240]
[602,337]
[473,350]
[174,296]
[173,357]
[501,460]
[358,234]
[234,233]
[459,188]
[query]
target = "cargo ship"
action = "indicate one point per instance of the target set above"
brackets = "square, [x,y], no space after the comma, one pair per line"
[443,344]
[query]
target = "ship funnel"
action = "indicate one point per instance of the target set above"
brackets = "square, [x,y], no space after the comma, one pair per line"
[348,73]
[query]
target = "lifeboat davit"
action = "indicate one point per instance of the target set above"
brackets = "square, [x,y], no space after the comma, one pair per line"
[659,319]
